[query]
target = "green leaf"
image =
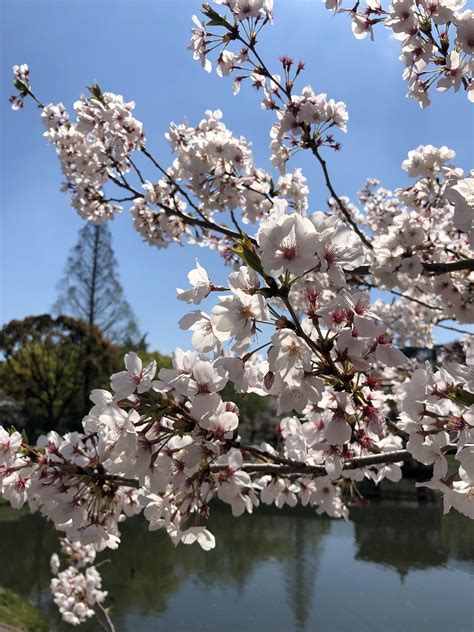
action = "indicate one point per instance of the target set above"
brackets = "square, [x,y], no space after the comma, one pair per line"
[96,92]
[214,18]
[247,252]
[461,396]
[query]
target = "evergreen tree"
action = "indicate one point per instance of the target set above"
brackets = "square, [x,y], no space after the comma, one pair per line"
[91,290]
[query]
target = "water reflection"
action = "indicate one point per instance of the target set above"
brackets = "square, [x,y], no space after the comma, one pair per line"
[415,538]
[273,571]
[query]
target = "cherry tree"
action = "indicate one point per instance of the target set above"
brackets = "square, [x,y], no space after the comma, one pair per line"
[295,321]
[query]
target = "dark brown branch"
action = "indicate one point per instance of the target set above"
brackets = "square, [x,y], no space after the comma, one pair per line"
[125,185]
[282,467]
[435,268]
[260,453]
[452,266]
[137,170]
[318,470]
[392,426]
[194,221]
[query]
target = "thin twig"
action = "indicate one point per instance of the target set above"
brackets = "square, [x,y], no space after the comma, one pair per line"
[192,221]
[456,329]
[125,185]
[102,625]
[107,617]
[170,179]
[137,170]
[406,296]
[235,222]
[203,223]
[339,202]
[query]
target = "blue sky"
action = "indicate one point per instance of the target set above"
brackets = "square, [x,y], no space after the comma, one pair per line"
[138,49]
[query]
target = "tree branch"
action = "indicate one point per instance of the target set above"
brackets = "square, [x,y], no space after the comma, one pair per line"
[407,297]
[191,221]
[435,268]
[105,612]
[203,223]
[452,266]
[456,329]
[282,467]
[339,202]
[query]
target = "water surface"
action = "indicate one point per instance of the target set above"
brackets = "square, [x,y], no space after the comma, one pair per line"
[390,568]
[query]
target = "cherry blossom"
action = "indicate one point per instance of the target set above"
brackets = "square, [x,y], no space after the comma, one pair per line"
[76,591]
[199,279]
[428,48]
[461,195]
[134,378]
[288,245]
[9,445]
[317,307]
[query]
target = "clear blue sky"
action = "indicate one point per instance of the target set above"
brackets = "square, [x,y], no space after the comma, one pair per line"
[138,49]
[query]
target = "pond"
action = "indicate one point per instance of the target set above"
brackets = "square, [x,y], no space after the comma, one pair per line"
[391,567]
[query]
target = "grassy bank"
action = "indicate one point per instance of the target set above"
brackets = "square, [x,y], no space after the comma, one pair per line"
[20,613]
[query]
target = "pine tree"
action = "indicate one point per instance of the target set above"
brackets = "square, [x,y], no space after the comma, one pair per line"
[90,288]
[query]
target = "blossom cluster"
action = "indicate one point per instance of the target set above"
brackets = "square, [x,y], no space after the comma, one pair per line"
[304,116]
[215,164]
[414,231]
[295,323]
[303,120]
[169,445]
[438,410]
[417,226]
[436,38]
[94,149]
[21,79]
[77,588]
[460,193]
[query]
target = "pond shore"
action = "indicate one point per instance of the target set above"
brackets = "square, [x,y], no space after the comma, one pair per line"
[18,614]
